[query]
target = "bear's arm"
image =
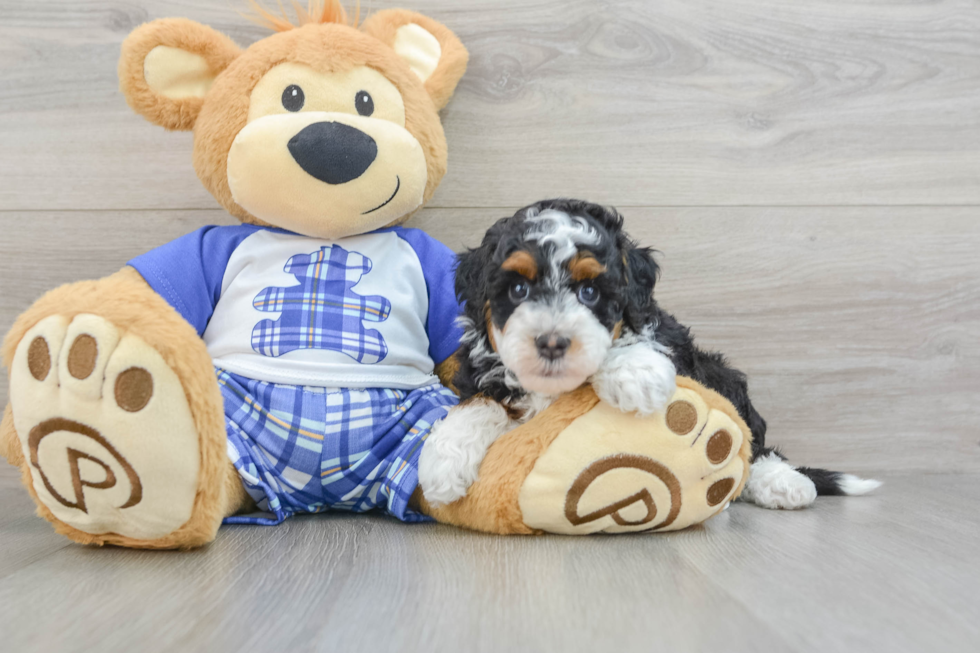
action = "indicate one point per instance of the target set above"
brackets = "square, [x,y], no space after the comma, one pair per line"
[439,269]
[188,271]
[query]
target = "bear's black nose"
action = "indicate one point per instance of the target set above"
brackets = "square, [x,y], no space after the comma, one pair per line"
[333,152]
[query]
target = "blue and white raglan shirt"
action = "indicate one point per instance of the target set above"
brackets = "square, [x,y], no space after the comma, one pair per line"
[376,310]
[325,354]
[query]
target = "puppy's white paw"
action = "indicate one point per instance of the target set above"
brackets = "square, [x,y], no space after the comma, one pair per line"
[775,484]
[636,378]
[445,471]
[450,460]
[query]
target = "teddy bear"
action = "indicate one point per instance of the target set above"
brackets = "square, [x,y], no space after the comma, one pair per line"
[296,363]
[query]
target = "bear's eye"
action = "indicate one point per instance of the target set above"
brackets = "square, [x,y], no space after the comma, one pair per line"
[293,98]
[364,103]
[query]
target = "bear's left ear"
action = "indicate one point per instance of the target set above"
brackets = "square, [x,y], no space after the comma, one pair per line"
[428,47]
[167,66]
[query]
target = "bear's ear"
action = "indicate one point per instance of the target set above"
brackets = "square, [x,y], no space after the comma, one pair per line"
[167,67]
[428,47]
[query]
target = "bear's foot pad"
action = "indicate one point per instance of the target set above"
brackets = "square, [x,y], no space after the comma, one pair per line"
[610,471]
[105,429]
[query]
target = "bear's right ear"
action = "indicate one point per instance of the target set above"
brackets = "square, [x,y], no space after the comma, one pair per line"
[429,48]
[167,67]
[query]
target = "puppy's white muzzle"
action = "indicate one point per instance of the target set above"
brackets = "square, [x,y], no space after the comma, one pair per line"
[552,347]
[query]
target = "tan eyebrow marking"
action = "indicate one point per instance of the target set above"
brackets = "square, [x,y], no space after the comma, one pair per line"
[522,263]
[584,266]
[489,320]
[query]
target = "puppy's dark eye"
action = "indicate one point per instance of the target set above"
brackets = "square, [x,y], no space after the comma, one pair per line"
[588,294]
[364,103]
[293,98]
[519,291]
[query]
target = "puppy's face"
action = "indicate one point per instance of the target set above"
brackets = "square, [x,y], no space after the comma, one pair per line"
[555,296]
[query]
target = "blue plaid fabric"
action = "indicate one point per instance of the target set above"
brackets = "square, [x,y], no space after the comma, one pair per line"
[308,449]
[322,312]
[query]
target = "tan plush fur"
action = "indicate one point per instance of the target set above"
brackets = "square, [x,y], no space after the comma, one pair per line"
[125,300]
[452,63]
[10,446]
[492,505]
[316,11]
[327,47]
[216,48]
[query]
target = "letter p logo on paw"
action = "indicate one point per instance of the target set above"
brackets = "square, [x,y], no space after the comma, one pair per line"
[72,445]
[638,508]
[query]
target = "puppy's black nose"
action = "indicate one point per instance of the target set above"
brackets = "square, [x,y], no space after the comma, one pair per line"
[552,347]
[333,152]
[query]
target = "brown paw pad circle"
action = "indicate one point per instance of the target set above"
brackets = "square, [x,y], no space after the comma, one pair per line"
[681,417]
[718,447]
[133,390]
[39,358]
[82,356]
[719,490]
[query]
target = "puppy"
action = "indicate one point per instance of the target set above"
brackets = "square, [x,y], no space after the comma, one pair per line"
[559,295]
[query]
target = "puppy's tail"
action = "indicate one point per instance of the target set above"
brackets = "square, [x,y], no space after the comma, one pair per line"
[830,483]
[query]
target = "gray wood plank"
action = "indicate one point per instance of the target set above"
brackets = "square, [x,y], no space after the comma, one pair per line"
[24,537]
[848,574]
[888,572]
[346,583]
[859,327]
[638,103]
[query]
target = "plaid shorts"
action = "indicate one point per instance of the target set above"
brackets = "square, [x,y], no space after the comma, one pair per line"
[307,449]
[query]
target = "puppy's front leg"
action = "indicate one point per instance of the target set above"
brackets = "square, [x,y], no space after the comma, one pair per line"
[451,457]
[636,377]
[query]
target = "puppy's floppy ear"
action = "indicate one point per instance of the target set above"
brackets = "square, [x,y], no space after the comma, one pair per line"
[641,276]
[167,67]
[475,265]
[473,274]
[429,48]
[470,278]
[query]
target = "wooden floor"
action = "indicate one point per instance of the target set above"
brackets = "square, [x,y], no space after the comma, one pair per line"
[894,572]
[811,174]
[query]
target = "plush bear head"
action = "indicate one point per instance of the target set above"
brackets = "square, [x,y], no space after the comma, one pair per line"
[324,129]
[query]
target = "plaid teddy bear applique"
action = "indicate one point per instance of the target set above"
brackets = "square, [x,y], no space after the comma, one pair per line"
[323,311]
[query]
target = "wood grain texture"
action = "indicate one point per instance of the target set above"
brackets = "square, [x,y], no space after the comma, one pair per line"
[859,328]
[887,572]
[24,537]
[639,103]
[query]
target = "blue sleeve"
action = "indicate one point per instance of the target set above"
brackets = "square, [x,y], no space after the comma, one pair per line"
[188,272]
[439,269]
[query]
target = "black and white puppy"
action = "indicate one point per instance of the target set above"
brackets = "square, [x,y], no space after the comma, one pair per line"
[559,295]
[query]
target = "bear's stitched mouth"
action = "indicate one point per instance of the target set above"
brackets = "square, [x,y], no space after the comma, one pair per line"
[398,185]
